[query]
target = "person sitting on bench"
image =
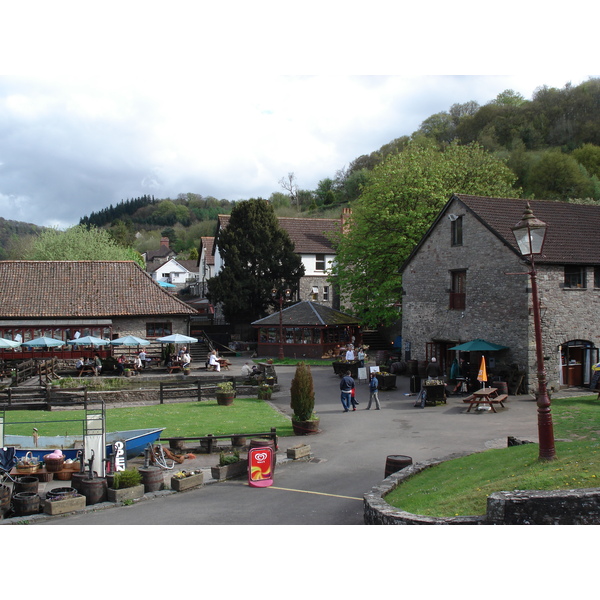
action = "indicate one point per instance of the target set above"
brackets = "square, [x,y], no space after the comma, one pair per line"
[213,362]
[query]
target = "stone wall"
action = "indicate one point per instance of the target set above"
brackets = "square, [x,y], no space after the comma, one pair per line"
[520,507]
[498,300]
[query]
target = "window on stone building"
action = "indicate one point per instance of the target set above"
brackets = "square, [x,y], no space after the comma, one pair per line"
[575,276]
[325,292]
[320,262]
[456,230]
[597,277]
[458,290]
[314,296]
[158,329]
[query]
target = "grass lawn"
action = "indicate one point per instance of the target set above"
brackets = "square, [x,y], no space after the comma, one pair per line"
[461,486]
[245,415]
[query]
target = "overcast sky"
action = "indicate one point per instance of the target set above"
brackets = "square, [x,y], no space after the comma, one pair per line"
[98,105]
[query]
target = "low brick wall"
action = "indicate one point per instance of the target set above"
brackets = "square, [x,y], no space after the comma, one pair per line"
[520,507]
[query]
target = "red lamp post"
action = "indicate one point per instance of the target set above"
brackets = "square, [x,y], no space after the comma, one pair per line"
[282,295]
[530,234]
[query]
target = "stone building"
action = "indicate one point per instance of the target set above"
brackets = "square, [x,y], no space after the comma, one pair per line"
[466,279]
[104,299]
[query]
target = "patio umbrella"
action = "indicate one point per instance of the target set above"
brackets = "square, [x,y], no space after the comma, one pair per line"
[177,338]
[88,340]
[478,345]
[482,375]
[43,342]
[129,340]
[4,343]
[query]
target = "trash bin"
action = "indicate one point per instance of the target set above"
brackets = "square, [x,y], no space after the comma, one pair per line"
[415,384]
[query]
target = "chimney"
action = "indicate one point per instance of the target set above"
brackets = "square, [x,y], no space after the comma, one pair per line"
[346,214]
[164,242]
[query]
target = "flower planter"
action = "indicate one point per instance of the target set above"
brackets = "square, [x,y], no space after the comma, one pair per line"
[238,440]
[225,398]
[305,427]
[186,483]
[229,471]
[298,451]
[130,493]
[67,505]
[264,395]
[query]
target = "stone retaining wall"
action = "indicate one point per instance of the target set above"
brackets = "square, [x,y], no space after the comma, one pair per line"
[519,507]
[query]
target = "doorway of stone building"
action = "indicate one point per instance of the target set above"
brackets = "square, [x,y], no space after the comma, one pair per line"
[576,360]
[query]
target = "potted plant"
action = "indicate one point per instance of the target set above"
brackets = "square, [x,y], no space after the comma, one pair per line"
[185,480]
[225,393]
[302,391]
[59,505]
[126,485]
[264,391]
[230,465]
[128,372]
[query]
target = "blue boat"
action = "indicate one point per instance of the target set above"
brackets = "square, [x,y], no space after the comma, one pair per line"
[135,440]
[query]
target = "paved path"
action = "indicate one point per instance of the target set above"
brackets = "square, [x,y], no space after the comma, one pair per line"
[348,459]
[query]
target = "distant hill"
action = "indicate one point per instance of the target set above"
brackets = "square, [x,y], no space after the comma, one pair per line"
[12,232]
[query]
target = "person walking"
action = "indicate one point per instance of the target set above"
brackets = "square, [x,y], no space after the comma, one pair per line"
[346,387]
[374,392]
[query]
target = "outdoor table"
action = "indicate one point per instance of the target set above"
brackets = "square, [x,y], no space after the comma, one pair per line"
[86,369]
[483,396]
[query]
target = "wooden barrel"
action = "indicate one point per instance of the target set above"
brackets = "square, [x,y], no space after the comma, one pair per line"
[60,493]
[54,464]
[396,462]
[77,477]
[26,483]
[265,443]
[4,499]
[501,386]
[153,479]
[95,490]
[25,503]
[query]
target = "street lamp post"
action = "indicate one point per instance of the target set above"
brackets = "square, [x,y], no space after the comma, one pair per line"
[282,295]
[530,234]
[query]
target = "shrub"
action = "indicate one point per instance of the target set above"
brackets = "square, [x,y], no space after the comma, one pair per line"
[126,479]
[302,393]
[228,459]
[225,387]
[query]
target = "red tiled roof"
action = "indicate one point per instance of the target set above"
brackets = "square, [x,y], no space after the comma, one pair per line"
[310,236]
[82,289]
[572,233]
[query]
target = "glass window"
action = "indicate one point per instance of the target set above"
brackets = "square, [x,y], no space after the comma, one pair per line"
[457,231]
[158,329]
[458,290]
[325,292]
[320,262]
[574,276]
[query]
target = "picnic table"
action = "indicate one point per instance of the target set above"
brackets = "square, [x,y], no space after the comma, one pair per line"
[87,369]
[487,396]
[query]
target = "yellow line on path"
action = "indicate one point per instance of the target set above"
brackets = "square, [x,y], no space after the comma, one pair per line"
[317,493]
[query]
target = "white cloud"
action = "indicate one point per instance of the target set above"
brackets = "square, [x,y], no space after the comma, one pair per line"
[101,105]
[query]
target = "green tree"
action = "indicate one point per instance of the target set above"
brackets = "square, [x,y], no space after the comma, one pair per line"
[400,201]
[258,256]
[558,176]
[588,156]
[80,243]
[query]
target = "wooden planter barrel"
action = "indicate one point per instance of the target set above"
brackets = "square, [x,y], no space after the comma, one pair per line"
[396,462]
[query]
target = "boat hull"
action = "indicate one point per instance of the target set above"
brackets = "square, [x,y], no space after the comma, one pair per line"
[135,440]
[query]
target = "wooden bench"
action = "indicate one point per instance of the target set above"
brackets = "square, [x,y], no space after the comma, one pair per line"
[475,401]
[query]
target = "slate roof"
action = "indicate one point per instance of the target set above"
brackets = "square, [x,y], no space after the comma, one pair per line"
[307,314]
[573,229]
[53,289]
[310,236]
[572,232]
